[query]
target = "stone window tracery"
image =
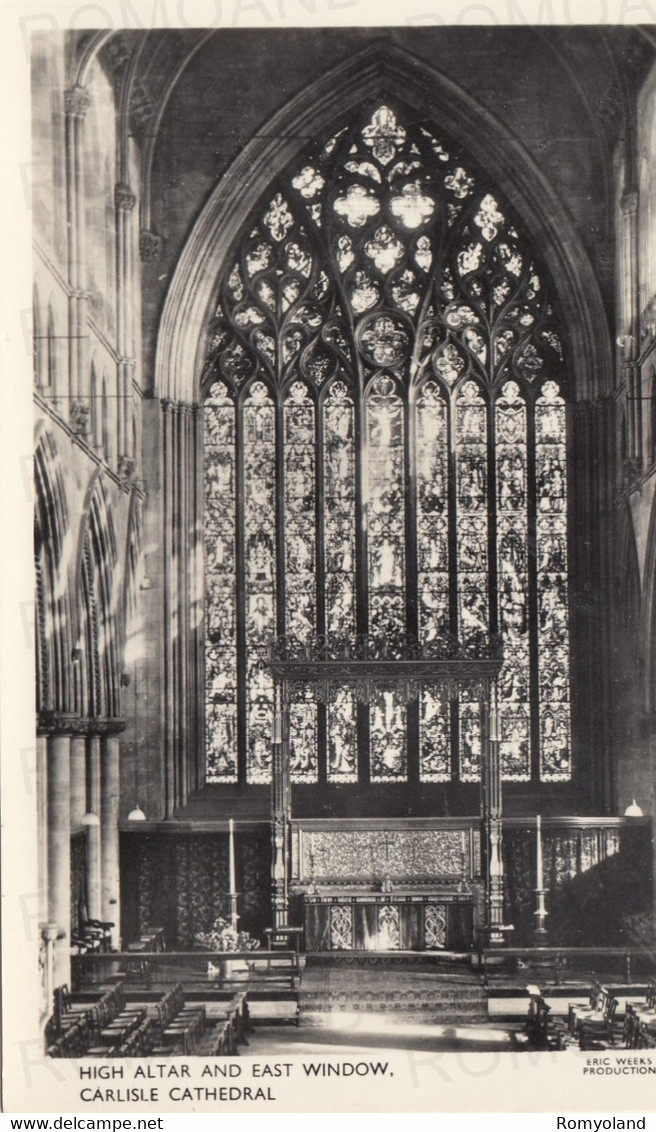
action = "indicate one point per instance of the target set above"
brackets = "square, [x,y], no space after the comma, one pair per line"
[385,452]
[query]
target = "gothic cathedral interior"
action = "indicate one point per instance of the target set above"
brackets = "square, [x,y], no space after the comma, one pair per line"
[344,347]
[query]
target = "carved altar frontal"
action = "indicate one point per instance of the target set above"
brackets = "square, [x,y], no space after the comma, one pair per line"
[397,922]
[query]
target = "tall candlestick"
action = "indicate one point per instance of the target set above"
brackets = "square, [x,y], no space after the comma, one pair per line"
[231,858]
[540,911]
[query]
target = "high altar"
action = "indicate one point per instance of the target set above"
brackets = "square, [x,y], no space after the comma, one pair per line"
[387,885]
[374,884]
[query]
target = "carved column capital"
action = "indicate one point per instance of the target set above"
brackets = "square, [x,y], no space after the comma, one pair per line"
[124,198]
[126,469]
[629,202]
[107,726]
[76,101]
[648,319]
[49,932]
[79,417]
[150,245]
[51,722]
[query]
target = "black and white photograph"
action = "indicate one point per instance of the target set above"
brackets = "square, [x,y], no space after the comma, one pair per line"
[343,347]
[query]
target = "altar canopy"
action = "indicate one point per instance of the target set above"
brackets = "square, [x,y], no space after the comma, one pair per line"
[347,871]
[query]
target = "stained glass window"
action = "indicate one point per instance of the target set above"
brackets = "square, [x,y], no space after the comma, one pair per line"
[339,511]
[553,631]
[385,451]
[260,571]
[385,509]
[432,478]
[512,581]
[339,567]
[220,586]
[300,560]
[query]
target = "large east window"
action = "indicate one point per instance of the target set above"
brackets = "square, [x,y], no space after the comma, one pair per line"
[385,453]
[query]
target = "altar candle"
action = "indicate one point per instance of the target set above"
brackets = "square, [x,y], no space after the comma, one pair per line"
[231,857]
[539,852]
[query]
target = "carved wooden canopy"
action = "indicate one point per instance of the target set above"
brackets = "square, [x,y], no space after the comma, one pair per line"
[321,667]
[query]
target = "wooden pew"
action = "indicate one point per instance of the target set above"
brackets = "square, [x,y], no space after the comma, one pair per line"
[601,1029]
[640,1020]
[594,1008]
[543,1031]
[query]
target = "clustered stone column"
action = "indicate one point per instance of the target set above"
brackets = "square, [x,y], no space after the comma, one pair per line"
[59,851]
[124,200]
[78,786]
[628,320]
[182,451]
[76,104]
[94,890]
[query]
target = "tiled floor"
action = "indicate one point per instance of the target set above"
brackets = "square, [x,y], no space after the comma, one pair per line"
[349,1034]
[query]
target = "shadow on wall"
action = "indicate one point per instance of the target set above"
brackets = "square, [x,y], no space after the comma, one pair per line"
[599,907]
[603,903]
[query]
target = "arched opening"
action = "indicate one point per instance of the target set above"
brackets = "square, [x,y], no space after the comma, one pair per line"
[378,72]
[52,550]
[385,439]
[99,612]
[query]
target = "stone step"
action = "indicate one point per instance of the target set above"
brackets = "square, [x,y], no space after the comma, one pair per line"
[410,991]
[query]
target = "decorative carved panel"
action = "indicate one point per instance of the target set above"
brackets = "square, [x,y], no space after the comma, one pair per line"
[341,927]
[389,930]
[435,926]
[370,855]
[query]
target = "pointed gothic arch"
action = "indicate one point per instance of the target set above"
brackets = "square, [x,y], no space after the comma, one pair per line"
[99,609]
[53,563]
[377,71]
[385,268]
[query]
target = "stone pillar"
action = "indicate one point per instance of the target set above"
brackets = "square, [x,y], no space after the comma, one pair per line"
[94,886]
[628,321]
[47,950]
[170,624]
[78,779]
[76,104]
[59,853]
[183,606]
[109,838]
[125,201]
[197,691]
[42,820]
